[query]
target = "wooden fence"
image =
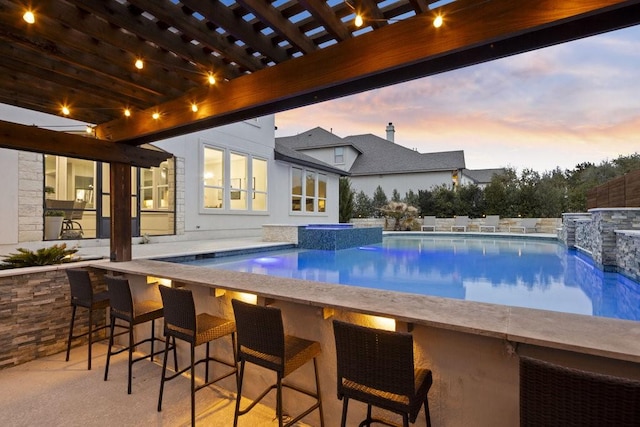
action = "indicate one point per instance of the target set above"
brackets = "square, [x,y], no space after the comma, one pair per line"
[622,192]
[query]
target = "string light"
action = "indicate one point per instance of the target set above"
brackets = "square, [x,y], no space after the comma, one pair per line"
[127,112]
[65,110]
[358,21]
[29,17]
[139,64]
[156,116]
[437,22]
[211,79]
[89,130]
[194,107]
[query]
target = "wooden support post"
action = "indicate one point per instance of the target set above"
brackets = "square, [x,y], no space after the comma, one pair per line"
[120,202]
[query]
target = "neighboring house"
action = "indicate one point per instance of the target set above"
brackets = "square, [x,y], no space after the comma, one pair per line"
[222,182]
[373,161]
[479,177]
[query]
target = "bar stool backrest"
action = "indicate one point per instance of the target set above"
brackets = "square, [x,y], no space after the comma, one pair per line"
[80,283]
[179,313]
[375,358]
[120,297]
[260,332]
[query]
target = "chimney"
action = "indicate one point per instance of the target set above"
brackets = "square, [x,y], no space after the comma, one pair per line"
[390,132]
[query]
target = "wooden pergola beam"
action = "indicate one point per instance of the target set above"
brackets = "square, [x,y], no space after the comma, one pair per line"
[34,139]
[406,50]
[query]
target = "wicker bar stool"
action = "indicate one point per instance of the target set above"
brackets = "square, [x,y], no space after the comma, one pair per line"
[557,396]
[181,322]
[132,313]
[82,295]
[261,341]
[376,367]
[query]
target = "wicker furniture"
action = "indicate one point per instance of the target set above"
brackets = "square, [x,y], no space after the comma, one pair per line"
[181,322]
[82,295]
[132,313]
[553,395]
[376,367]
[261,341]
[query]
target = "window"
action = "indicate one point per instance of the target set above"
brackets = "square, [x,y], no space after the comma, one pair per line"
[238,181]
[226,181]
[154,187]
[310,197]
[213,178]
[259,184]
[296,190]
[338,155]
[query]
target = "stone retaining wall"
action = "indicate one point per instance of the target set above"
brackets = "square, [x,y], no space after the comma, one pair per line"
[35,312]
[544,225]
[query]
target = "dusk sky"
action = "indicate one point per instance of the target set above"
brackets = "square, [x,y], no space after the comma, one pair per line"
[558,106]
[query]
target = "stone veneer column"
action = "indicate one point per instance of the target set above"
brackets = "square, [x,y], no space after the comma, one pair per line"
[605,222]
[30,197]
[568,232]
[628,253]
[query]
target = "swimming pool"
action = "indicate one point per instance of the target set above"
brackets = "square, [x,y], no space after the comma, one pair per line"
[515,272]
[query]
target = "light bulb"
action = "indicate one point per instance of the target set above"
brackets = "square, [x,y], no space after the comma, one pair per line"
[358,21]
[156,116]
[89,130]
[65,110]
[29,17]
[212,79]
[127,112]
[194,108]
[139,64]
[437,22]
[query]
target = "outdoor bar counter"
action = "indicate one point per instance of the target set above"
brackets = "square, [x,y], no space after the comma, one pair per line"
[472,348]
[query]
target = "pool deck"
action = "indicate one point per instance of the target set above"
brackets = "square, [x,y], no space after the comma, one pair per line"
[49,391]
[97,248]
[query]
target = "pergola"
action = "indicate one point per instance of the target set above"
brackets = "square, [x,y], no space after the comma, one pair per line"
[265,57]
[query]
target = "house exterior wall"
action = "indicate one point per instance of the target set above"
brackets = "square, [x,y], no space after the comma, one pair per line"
[327,155]
[23,183]
[401,182]
[254,137]
[9,196]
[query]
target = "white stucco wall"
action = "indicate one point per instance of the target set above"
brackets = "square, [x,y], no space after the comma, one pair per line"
[401,182]
[9,196]
[250,137]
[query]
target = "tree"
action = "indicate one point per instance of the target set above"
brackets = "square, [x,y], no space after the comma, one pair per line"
[395,197]
[379,199]
[363,206]
[426,203]
[444,201]
[470,201]
[501,195]
[528,202]
[345,194]
[552,193]
[411,198]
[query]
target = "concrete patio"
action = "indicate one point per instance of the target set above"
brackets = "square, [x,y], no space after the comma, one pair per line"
[52,392]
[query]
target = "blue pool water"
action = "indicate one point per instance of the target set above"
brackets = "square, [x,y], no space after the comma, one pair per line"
[514,272]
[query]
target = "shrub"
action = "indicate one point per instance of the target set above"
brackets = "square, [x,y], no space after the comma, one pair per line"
[56,254]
